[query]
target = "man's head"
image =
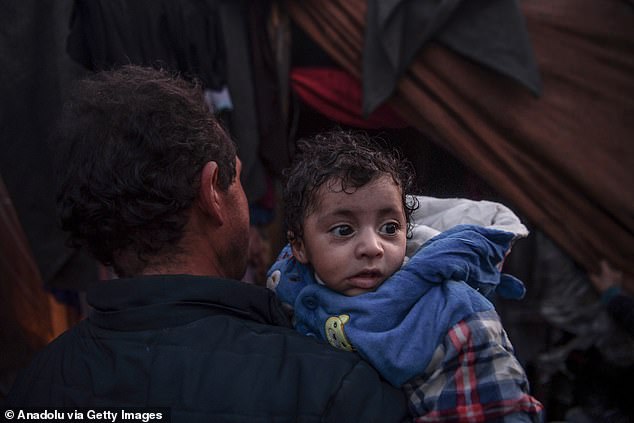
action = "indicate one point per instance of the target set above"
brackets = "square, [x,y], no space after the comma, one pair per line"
[132,147]
[346,210]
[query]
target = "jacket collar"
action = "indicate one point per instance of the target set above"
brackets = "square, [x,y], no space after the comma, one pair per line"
[160,301]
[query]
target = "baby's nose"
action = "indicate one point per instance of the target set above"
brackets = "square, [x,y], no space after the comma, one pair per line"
[369,245]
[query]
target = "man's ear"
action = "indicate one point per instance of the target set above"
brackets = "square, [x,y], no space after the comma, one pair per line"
[299,250]
[208,195]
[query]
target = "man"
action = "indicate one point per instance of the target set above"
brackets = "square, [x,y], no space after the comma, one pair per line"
[150,184]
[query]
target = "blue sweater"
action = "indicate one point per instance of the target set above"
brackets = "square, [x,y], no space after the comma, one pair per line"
[398,326]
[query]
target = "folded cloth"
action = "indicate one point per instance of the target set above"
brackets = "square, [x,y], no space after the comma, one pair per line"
[435,215]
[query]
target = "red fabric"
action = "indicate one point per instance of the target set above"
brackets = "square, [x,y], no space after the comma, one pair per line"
[337,94]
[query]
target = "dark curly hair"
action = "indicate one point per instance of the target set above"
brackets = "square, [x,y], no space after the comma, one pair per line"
[352,157]
[131,144]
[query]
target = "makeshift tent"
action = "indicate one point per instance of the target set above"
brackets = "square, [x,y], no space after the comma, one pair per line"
[564,157]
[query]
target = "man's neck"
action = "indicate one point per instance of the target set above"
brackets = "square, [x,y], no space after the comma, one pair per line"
[195,265]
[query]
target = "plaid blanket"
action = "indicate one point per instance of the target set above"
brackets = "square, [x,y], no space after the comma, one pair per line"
[473,377]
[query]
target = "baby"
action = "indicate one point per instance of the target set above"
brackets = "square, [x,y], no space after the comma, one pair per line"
[355,275]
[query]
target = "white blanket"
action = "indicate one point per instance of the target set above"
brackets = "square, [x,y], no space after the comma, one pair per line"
[435,215]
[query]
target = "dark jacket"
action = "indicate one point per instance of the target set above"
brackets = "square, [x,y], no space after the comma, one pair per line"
[212,350]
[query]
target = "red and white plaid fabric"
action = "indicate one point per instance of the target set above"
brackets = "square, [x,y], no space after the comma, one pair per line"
[474,377]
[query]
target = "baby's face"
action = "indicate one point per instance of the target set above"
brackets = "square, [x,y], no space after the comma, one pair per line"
[355,241]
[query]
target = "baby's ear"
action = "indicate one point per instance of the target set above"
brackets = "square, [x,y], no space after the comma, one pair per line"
[299,251]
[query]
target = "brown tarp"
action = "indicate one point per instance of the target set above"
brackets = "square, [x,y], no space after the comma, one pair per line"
[564,159]
[24,306]
[29,316]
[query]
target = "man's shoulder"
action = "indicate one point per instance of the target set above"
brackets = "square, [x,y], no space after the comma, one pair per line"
[214,358]
[294,345]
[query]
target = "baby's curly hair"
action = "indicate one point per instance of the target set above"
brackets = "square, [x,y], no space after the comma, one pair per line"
[352,157]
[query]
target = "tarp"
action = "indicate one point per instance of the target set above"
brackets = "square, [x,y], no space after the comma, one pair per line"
[565,158]
[25,313]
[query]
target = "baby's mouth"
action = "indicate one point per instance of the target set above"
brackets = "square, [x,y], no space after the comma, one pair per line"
[367,279]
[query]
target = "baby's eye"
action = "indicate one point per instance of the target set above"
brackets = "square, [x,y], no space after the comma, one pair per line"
[390,228]
[342,230]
